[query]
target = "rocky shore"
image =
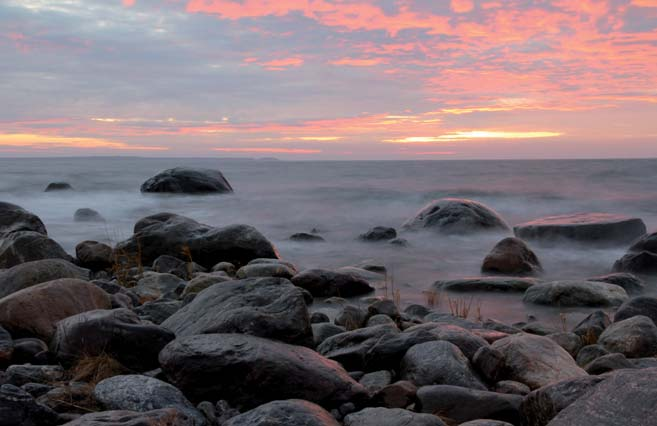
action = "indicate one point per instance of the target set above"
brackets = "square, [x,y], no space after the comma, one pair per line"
[188,324]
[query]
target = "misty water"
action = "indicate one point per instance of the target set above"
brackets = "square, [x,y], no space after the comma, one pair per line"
[345,199]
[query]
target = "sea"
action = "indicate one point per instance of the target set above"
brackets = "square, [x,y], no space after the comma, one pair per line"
[343,199]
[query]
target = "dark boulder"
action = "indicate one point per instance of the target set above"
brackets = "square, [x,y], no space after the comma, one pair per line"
[94,255]
[87,215]
[511,256]
[28,274]
[642,305]
[175,235]
[58,186]
[591,327]
[282,413]
[607,363]
[325,283]
[166,264]
[182,180]
[248,371]
[456,216]
[634,337]
[391,417]
[350,348]
[18,408]
[269,269]
[576,293]
[30,350]
[25,246]
[378,233]
[14,218]
[306,237]
[486,284]
[630,282]
[157,311]
[160,417]
[593,228]
[265,307]
[641,257]
[118,333]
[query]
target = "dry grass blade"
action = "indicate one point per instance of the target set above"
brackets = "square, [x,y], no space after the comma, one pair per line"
[93,369]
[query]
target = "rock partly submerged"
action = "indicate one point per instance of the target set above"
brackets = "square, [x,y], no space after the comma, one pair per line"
[641,257]
[486,284]
[14,218]
[181,180]
[576,293]
[28,274]
[456,216]
[511,256]
[280,413]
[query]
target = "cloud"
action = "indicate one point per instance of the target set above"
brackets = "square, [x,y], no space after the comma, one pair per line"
[474,135]
[45,141]
[269,150]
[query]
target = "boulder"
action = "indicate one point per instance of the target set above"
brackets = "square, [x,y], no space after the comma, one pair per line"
[438,363]
[456,216]
[35,311]
[590,353]
[265,307]
[575,293]
[378,233]
[305,237]
[14,218]
[157,311]
[6,346]
[591,327]
[511,387]
[87,215]
[607,363]
[181,180]
[25,246]
[256,270]
[571,342]
[18,408]
[351,317]
[28,274]
[30,350]
[511,256]
[390,417]
[166,264]
[485,422]
[204,280]
[175,235]
[154,285]
[118,333]
[58,186]
[19,375]
[142,393]
[630,282]
[645,243]
[350,348]
[643,262]
[325,283]
[284,413]
[248,371]
[486,284]
[642,305]
[543,404]
[323,331]
[400,394]
[627,398]
[634,337]
[94,255]
[376,380]
[161,417]
[535,360]
[594,228]
[463,404]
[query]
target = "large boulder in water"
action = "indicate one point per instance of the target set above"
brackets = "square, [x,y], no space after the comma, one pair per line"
[87,215]
[58,186]
[14,218]
[25,246]
[326,283]
[511,256]
[283,413]
[456,216]
[641,305]
[248,371]
[267,307]
[576,293]
[174,235]
[641,257]
[627,397]
[39,271]
[118,333]
[35,311]
[486,284]
[596,228]
[183,180]
[630,282]
[94,255]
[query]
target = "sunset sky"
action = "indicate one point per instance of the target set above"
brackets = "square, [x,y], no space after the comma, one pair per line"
[329,79]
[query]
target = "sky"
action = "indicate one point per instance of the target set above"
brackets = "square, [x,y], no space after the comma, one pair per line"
[329,79]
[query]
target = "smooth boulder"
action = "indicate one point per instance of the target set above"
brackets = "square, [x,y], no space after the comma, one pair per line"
[284,413]
[14,218]
[590,228]
[58,186]
[160,417]
[94,255]
[641,305]
[456,216]
[511,256]
[28,274]
[380,416]
[576,293]
[182,180]
[378,233]
[248,371]
[174,235]
[326,283]
[26,246]
[486,284]
[87,215]
[635,337]
[641,258]
[630,282]
[265,307]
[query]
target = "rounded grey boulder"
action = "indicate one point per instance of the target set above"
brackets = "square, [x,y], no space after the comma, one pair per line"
[181,180]
[575,293]
[284,413]
[511,256]
[26,246]
[14,218]
[456,216]
[381,416]
[39,271]
[634,337]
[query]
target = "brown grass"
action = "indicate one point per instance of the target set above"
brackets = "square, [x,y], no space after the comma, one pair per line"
[462,306]
[93,369]
[190,262]
[433,298]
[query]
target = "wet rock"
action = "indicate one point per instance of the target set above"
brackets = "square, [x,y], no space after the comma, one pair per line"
[485,422]
[535,360]
[28,274]
[642,305]
[489,362]
[319,317]
[376,380]
[488,284]
[18,375]
[595,228]
[591,327]
[350,348]
[626,398]
[166,264]
[157,311]
[385,307]
[400,394]
[399,242]
[171,234]
[94,255]
[258,270]
[71,398]
[87,215]
[306,237]
[492,324]
[634,337]
[34,311]
[589,353]
[6,346]
[463,404]
[511,387]
[30,351]
[378,233]
[539,328]
[325,283]
[575,293]
[543,404]
[511,256]
[416,311]
[58,186]
[351,317]
[18,408]
[202,281]
[154,285]
[571,342]
[181,180]
[27,246]
[456,216]
[391,417]
[641,257]
[607,363]
[290,412]
[438,363]
[248,371]
[379,319]
[118,333]
[164,417]
[14,218]
[226,267]
[265,307]
[143,394]
[324,330]
[630,282]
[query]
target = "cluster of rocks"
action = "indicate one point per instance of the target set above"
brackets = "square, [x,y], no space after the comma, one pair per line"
[189,324]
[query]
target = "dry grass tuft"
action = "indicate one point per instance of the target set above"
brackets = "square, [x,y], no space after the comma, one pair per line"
[93,369]
[462,307]
[433,298]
